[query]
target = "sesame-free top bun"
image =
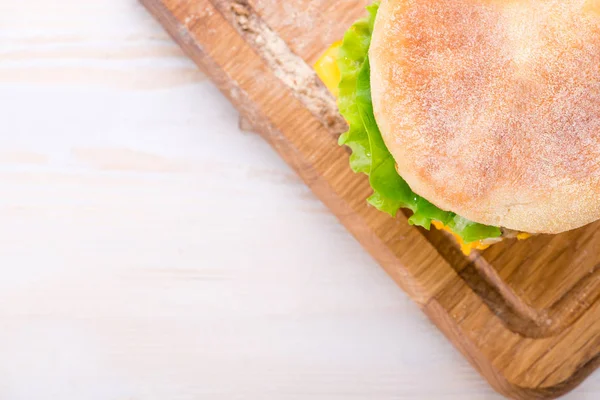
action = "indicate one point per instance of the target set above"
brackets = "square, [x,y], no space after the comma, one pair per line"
[491,108]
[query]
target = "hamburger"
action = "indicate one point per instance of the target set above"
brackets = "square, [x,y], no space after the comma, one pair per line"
[481,117]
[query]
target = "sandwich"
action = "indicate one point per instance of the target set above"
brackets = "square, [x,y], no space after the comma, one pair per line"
[479,117]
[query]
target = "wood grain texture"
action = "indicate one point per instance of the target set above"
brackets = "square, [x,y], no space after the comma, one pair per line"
[524,314]
[117,183]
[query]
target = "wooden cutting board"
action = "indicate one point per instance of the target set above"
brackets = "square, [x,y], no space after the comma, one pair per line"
[525,314]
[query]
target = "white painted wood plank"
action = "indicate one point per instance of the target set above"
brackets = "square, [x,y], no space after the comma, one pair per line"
[151,250]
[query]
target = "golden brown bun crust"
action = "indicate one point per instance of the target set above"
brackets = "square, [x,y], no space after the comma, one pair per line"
[491,108]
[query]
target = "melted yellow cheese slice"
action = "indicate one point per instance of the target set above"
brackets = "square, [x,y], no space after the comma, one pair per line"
[465,247]
[327,68]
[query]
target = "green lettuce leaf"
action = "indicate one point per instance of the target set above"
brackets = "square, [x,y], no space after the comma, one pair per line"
[369,152]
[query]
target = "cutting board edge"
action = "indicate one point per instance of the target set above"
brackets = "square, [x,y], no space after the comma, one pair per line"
[444,322]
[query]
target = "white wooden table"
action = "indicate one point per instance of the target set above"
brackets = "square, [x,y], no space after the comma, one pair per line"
[151,250]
